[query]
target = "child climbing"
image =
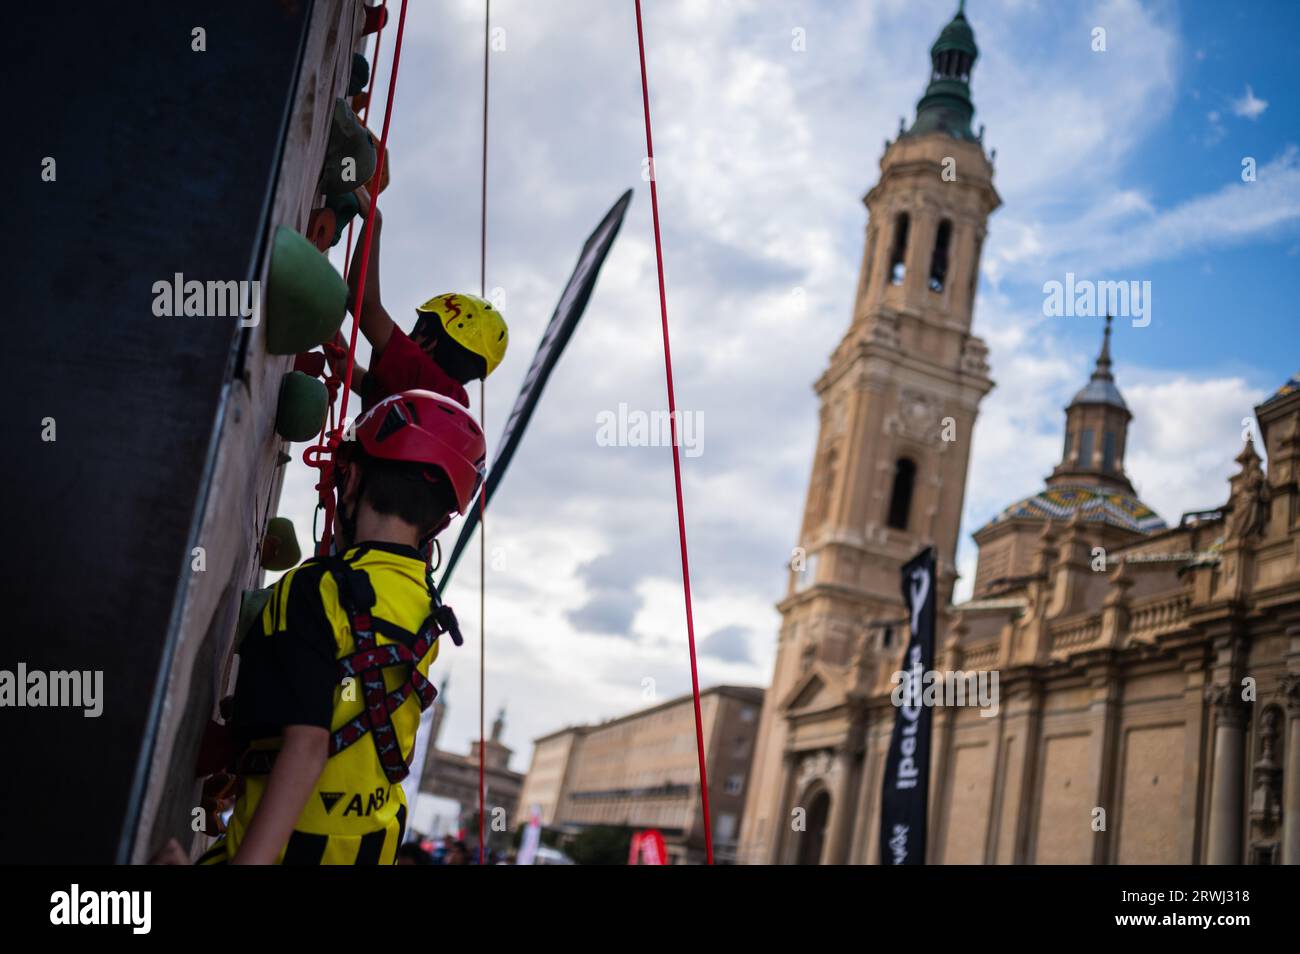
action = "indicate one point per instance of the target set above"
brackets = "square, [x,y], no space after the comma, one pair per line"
[457,338]
[334,674]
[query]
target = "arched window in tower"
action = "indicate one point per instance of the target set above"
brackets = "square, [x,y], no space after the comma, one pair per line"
[900,500]
[975,270]
[939,259]
[823,484]
[1108,451]
[869,259]
[898,256]
[1085,448]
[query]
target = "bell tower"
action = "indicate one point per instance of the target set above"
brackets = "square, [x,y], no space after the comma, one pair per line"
[897,405]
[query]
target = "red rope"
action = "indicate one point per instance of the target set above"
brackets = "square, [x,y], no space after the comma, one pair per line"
[365,115]
[482,497]
[677,463]
[368,233]
[332,350]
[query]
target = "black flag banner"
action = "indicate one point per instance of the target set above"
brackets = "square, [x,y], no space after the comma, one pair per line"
[573,302]
[905,800]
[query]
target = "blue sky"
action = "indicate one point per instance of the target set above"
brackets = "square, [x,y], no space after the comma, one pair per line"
[1123,164]
[1194,147]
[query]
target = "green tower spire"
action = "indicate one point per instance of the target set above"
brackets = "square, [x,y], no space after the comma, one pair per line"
[946,106]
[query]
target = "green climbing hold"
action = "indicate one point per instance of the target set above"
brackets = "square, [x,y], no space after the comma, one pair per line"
[280,545]
[345,207]
[302,407]
[360,75]
[251,604]
[350,154]
[305,297]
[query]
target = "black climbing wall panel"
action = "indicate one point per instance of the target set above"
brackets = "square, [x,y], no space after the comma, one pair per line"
[165,158]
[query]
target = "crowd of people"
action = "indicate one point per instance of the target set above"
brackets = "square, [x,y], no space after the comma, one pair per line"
[447,851]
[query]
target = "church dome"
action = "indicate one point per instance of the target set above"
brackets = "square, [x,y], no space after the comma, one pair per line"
[1097,504]
[1291,386]
[957,35]
[1100,391]
[1101,388]
[946,106]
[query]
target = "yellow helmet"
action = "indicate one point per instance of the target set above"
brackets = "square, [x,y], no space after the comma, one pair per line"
[472,323]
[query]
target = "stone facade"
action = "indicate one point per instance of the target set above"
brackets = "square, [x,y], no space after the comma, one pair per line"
[455,776]
[1148,697]
[642,771]
[898,404]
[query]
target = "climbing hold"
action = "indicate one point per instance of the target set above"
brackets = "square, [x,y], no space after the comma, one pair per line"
[217,796]
[251,604]
[360,74]
[345,207]
[376,17]
[305,297]
[311,363]
[304,402]
[349,154]
[280,545]
[321,228]
[217,749]
[281,458]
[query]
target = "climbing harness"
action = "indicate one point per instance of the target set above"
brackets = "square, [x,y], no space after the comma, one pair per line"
[365,666]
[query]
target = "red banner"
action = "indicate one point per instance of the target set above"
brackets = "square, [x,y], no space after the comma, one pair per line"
[647,848]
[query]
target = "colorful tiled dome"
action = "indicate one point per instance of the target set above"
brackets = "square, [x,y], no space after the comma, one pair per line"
[1092,503]
[1291,386]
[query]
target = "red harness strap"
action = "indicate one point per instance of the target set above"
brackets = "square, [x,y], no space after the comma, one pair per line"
[368,662]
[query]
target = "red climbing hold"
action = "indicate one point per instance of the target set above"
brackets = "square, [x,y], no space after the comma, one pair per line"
[310,363]
[376,18]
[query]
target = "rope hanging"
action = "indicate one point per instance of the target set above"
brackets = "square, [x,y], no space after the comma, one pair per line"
[677,463]
[313,455]
[482,497]
[333,351]
[322,456]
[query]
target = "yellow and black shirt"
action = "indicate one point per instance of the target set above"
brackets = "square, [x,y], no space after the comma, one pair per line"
[288,675]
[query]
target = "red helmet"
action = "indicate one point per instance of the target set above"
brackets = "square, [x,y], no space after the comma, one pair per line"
[427,428]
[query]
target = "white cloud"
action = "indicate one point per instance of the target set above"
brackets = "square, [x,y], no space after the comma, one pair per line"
[1125,232]
[1186,432]
[1249,106]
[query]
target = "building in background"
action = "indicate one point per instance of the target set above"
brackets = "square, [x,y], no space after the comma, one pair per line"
[451,777]
[898,405]
[642,771]
[1148,703]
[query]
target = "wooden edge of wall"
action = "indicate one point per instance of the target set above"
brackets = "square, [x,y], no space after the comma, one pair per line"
[246,479]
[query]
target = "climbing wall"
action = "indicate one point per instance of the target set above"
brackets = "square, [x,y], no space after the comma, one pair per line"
[143,462]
